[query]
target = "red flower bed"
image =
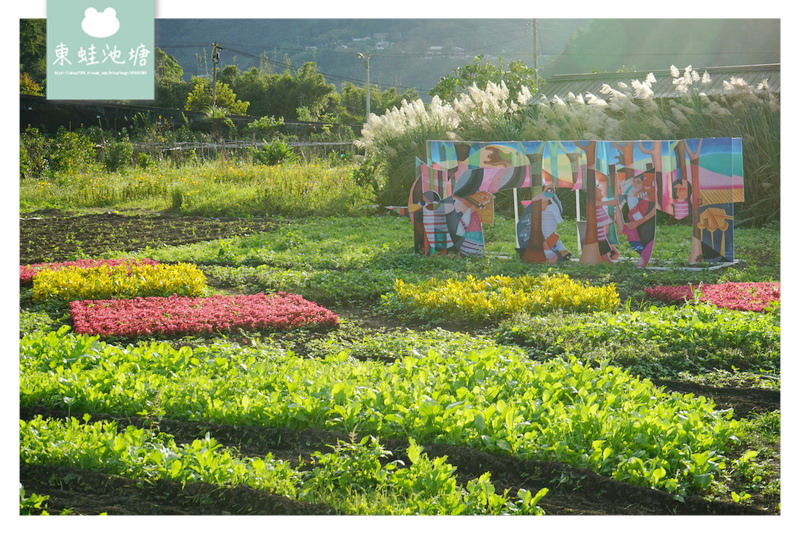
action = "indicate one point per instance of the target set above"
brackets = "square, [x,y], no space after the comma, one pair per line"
[176,315]
[27,272]
[738,296]
[677,293]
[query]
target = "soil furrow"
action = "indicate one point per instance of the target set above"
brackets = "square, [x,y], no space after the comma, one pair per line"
[742,401]
[57,238]
[90,493]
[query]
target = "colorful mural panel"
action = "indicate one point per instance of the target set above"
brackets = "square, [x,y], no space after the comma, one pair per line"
[625,184]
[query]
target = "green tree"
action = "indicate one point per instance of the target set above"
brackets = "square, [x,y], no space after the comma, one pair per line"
[278,95]
[200,97]
[313,92]
[229,74]
[253,86]
[171,89]
[352,101]
[33,49]
[27,85]
[515,75]
[307,89]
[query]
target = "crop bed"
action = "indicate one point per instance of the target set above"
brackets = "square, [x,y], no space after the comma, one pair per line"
[295,395]
[56,236]
[579,491]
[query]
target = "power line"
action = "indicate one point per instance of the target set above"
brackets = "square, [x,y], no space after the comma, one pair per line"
[720,53]
[331,76]
[287,65]
[181,45]
[381,54]
[264,57]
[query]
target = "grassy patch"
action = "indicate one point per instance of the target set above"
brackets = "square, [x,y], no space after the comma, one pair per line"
[354,260]
[218,188]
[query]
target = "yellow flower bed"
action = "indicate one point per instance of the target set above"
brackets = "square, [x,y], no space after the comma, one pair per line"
[503,296]
[120,281]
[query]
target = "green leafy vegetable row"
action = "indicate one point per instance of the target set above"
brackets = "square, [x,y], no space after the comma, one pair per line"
[354,478]
[493,398]
[695,338]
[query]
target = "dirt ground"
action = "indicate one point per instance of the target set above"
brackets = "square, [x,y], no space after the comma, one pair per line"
[51,236]
[742,401]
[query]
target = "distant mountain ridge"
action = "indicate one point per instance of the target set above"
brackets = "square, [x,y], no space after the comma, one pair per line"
[416,53]
[404,52]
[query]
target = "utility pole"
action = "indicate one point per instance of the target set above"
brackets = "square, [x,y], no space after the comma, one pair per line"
[365,56]
[535,25]
[215,59]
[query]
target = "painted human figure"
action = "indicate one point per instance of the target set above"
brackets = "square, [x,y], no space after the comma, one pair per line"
[434,221]
[608,251]
[639,223]
[468,234]
[554,249]
[680,199]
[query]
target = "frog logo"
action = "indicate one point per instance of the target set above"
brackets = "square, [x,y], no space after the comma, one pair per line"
[100,25]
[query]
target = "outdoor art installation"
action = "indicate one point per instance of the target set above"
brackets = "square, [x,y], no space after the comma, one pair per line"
[625,184]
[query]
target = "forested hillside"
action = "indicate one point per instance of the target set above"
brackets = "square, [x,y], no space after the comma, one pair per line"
[416,53]
[406,53]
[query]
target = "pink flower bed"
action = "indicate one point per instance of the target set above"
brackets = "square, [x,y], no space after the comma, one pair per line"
[176,315]
[738,296]
[27,272]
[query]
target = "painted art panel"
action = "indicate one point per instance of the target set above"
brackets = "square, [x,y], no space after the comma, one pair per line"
[625,184]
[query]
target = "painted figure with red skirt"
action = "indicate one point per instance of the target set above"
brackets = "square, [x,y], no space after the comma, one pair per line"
[639,211]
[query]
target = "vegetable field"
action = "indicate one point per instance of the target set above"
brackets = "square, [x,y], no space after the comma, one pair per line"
[319,366]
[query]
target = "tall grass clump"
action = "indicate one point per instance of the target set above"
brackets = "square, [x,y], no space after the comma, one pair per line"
[626,111]
[401,134]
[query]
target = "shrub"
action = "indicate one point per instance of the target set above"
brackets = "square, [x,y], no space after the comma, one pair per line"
[42,157]
[498,297]
[264,127]
[144,160]
[71,152]
[177,315]
[118,155]
[273,153]
[34,149]
[368,174]
[118,281]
